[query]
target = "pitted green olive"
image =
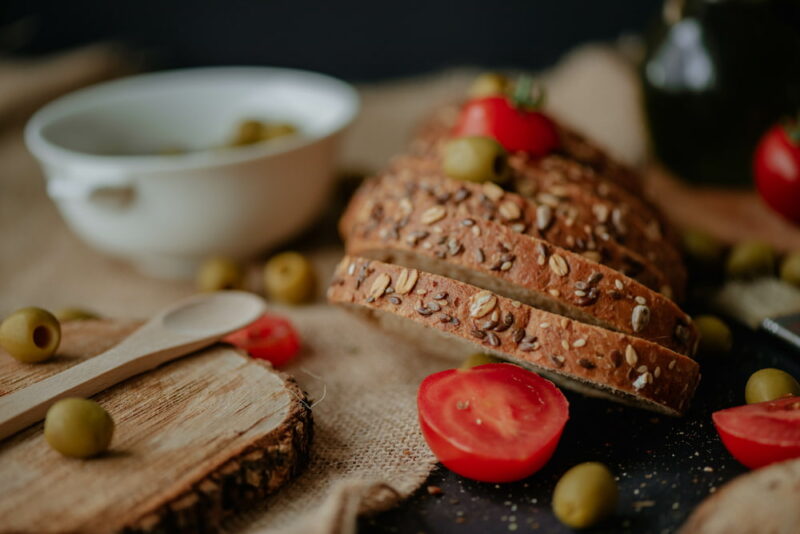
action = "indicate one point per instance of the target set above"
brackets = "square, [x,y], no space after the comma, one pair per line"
[476,159]
[78,428]
[585,495]
[219,273]
[770,384]
[289,278]
[30,335]
[751,259]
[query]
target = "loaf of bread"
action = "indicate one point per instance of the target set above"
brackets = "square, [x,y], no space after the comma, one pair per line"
[451,316]
[766,500]
[565,269]
[412,227]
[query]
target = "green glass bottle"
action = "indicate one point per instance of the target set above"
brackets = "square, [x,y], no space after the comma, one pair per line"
[716,75]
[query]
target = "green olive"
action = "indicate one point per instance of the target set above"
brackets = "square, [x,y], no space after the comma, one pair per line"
[488,84]
[219,273]
[479,358]
[790,269]
[715,336]
[75,314]
[79,428]
[701,247]
[585,495]
[252,131]
[770,384]
[750,259]
[274,130]
[476,159]
[30,335]
[289,278]
[248,132]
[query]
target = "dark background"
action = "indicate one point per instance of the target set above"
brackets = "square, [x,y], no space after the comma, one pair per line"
[354,39]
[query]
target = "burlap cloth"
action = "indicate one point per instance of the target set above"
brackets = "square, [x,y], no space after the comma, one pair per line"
[368,452]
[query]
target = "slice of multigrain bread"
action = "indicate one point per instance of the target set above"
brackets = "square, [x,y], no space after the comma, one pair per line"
[556,225]
[451,316]
[622,220]
[451,239]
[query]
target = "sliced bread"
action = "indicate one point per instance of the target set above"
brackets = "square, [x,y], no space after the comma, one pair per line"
[622,220]
[453,316]
[555,225]
[452,239]
[625,217]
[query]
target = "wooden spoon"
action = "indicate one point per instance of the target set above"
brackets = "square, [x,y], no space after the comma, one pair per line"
[183,328]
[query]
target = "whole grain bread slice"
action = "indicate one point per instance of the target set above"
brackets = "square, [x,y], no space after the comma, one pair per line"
[408,175]
[628,219]
[569,190]
[414,230]
[451,316]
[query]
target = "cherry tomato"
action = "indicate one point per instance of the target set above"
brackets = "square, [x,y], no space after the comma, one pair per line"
[514,128]
[776,166]
[763,433]
[494,423]
[269,337]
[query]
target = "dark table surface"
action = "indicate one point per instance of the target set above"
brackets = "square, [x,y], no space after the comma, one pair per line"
[665,466]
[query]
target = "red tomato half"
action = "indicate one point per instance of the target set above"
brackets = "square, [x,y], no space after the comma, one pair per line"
[514,128]
[776,166]
[763,433]
[270,338]
[494,423]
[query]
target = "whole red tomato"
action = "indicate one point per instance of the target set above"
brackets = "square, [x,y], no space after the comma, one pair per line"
[515,127]
[776,166]
[494,423]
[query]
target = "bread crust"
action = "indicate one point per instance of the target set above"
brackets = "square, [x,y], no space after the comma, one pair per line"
[627,368]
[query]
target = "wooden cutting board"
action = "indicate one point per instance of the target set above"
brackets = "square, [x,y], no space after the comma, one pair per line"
[195,441]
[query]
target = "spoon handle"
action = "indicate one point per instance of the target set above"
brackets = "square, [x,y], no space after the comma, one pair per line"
[146,349]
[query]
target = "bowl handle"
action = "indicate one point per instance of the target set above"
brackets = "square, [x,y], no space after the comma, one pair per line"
[108,190]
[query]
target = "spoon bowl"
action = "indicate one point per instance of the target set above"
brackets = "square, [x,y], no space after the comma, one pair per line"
[214,314]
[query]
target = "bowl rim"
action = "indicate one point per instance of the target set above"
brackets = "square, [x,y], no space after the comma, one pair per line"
[54,153]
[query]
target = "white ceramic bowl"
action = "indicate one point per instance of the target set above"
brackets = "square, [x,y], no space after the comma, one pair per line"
[166,213]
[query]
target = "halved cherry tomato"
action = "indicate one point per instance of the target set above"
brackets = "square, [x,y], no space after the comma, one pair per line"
[763,433]
[269,337]
[516,128]
[494,423]
[776,166]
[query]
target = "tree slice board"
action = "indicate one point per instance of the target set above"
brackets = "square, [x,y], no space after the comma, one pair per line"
[195,441]
[763,501]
